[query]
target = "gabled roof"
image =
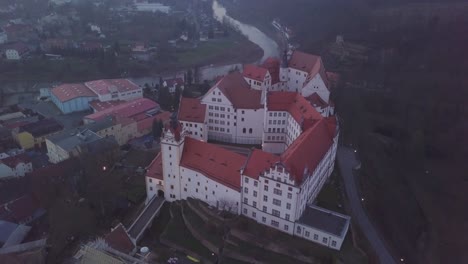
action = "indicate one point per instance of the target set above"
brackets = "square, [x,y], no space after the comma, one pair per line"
[316,101]
[273,66]
[13,161]
[107,86]
[128,109]
[119,239]
[69,91]
[303,61]
[20,47]
[155,170]
[192,110]
[259,161]
[42,127]
[296,105]
[238,91]
[306,152]
[254,72]
[218,164]
[19,210]
[100,106]
[312,64]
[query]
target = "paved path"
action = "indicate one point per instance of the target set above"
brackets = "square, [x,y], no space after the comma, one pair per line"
[347,161]
[145,217]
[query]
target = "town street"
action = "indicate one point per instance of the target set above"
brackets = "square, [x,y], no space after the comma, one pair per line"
[347,161]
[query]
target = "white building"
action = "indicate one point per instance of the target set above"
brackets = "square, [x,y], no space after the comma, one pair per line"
[193,116]
[115,89]
[235,112]
[274,190]
[15,166]
[16,51]
[258,78]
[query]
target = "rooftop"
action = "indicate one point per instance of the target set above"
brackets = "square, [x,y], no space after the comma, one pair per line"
[273,66]
[42,127]
[254,72]
[128,109]
[100,106]
[70,139]
[13,161]
[259,161]
[154,170]
[145,122]
[305,153]
[108,86]
[192,110]
[69,91]
[296,105]
[325,220]
[217,163]
[19,210]
[316,101]
[238,91]
[118,239]
[312,64]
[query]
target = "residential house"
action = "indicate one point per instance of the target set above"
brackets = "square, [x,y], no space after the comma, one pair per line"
[33,134]
[16,51]
[74,143]
[23,210]
[15,166]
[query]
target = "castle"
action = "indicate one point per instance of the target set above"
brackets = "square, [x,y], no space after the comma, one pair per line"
[285,107]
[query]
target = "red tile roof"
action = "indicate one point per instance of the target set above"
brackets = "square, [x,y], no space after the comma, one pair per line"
[254,72]
[174,81]
[99,106]
[20,47]
[146,124]
[69,91]
[306,152]
[316,100]
[192,110]
[238,91]
[19,210]
[155,170]
[296,105]
[219,164]
[106,86]
[312,64]
[128,109]
[258,162]
[333,79]
[13,161]
[119,239]
[273,66]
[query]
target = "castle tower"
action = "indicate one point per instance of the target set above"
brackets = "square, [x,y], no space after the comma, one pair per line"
[172,146]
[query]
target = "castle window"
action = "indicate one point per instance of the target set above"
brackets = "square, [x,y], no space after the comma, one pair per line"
[250,131]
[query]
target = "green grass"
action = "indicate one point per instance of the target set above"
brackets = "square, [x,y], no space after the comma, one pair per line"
[209,233]
[177,233]
[205,51]
[330,196]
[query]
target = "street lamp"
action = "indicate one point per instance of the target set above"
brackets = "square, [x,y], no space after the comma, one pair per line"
[362,199]
[402,260]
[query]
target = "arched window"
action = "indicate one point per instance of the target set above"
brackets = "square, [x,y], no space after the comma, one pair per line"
[298,230]
[250,131]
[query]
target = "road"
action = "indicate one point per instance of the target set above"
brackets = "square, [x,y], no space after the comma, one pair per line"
[147,216]
[347,161]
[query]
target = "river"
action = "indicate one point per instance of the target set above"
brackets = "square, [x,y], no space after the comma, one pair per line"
[269,46]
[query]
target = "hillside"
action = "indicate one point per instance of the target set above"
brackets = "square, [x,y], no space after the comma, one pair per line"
[405,108]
